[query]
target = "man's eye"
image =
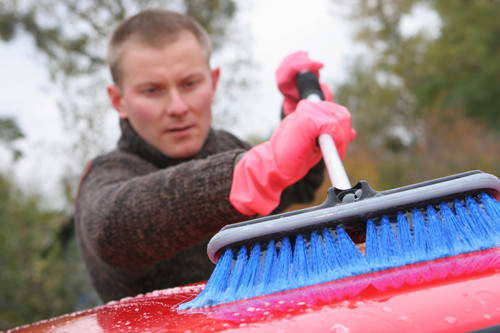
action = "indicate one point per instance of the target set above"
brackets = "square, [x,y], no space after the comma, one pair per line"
[192,83]
[152,90]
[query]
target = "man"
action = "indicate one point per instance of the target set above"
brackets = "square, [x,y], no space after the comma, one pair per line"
[145,211]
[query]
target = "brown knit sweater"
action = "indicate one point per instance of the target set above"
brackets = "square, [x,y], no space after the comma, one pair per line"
[144,220]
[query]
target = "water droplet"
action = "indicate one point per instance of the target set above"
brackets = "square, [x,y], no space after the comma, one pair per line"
[403,318]
[339,328]
[352,305]
[386,309]
[450,320]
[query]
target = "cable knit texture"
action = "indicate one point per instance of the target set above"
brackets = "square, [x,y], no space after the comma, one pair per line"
[144,220]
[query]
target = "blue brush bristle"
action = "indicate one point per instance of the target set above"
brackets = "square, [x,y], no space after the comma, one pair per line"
[267,269]
[321,266]
[216,286]
[460,237]
[389,245]
[281,275]
[481,241]
[478,215]
[423,245]
[373,250]
[441,244]
[250,276]
[300,264]
[335,271]
[235,277]
[419,235]
[352,261]
[492,209]
[406,244]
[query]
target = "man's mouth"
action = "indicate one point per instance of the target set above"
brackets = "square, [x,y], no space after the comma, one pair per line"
[181,130]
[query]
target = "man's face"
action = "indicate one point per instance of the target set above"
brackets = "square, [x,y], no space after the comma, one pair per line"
[167,94]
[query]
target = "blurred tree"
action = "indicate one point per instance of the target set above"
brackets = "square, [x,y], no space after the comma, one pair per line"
[9,133]
[78,48]
[35,269]
[33,281]
[460,69]
[423,95]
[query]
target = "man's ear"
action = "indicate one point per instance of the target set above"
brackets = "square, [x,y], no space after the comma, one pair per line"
[215,78]
[116,98]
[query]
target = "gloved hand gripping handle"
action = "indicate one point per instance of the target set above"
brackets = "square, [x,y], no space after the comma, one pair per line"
[309,88]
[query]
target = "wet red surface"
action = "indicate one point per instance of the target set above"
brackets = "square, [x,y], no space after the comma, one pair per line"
[461,301]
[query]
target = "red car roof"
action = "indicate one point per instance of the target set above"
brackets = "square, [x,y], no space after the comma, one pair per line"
[463,303]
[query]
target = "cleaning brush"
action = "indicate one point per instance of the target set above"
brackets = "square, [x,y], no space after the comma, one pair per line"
[446,217]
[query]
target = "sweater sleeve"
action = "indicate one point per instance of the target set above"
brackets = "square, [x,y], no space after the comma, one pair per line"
[133,215]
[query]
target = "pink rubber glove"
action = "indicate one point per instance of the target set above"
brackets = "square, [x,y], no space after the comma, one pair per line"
[267,169]
[286,76]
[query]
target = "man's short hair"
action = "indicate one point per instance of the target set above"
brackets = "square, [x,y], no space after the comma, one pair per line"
[152,27]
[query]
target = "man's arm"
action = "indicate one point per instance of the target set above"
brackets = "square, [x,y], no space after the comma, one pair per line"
[133,216]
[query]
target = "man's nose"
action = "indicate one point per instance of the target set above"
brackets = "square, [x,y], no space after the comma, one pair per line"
[176,107]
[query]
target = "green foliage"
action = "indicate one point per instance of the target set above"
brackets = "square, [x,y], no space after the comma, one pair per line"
[9,133]
[461,68]
[213,15]
[424,104]
[9,130]
[41,274]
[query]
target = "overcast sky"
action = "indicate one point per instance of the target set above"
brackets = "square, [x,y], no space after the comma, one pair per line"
[273,29]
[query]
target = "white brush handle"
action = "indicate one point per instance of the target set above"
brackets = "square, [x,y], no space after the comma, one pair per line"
[331,156]
[333,163]
[309,88]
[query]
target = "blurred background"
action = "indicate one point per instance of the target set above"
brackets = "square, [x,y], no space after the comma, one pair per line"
[420,77]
